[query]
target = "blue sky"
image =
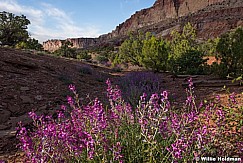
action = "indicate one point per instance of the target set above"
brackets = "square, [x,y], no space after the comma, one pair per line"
[59,19]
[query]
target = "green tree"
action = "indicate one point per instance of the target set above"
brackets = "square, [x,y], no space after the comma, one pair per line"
[34,44]
[101,59]
[155,54]
[13,29]
[112,55]
[209,46]
[230,52]
[84,55]
[66,50]
[191,62]
[21,45]
[184,44]
[131,50]
[30,43]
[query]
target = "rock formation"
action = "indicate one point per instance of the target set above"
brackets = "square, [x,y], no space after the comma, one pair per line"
[161,11]
[210,17]
[52,45]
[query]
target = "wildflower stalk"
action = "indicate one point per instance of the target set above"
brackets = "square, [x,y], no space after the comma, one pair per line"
[150,132]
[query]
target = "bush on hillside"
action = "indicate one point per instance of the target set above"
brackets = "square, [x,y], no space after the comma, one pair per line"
[155,54]
[66,50]
[84,55]
[130,50]
[30,43]
[101,59]
[230,52]
[134,84]
[191,62]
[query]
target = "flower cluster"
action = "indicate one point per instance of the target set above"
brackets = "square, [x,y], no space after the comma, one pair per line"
[149,132]
[69,139]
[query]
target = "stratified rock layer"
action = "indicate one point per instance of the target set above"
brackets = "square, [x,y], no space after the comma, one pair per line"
[211,18]
[52,45]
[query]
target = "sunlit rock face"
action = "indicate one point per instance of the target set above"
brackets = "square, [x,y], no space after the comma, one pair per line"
[52,45]
[161,11]
[211,18]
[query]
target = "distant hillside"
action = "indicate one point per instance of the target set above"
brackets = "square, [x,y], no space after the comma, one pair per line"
[211,18]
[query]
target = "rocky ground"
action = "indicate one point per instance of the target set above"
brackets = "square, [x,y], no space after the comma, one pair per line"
[34,81]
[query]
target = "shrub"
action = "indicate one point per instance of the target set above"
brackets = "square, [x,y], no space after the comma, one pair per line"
[183,42]
[86,69]
[66,50]
[30,43]
[230,51]
[130,50]
[134,84]
[191,62]
[219,69]
[101,59]
[209,46]
[66,79]
[155,54]
[112,56]
[152,133]
[83,55]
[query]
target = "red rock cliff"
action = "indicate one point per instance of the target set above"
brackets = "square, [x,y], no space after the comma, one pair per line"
[52,45]
[210,17]
[162,10]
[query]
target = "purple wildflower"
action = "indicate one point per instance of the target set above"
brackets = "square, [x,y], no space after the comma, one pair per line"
[33,116]
[72,87]
[232,98]
[70,100]
[165,95]
[217,98]
[190,83]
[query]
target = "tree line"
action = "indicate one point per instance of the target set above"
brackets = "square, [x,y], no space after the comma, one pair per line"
[184,54]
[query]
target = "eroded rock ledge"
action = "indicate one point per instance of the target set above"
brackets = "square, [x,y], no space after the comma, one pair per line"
[211,18]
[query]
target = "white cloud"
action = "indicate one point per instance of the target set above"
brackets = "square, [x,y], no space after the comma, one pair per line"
[12,6]
[49,22]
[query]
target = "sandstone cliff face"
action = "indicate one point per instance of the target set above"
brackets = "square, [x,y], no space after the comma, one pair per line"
[210,18]
[53,45]
[161,11]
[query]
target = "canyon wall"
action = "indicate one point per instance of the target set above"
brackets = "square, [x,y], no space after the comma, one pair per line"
[209,22]
[53,45]
[162,11]
[211,18]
